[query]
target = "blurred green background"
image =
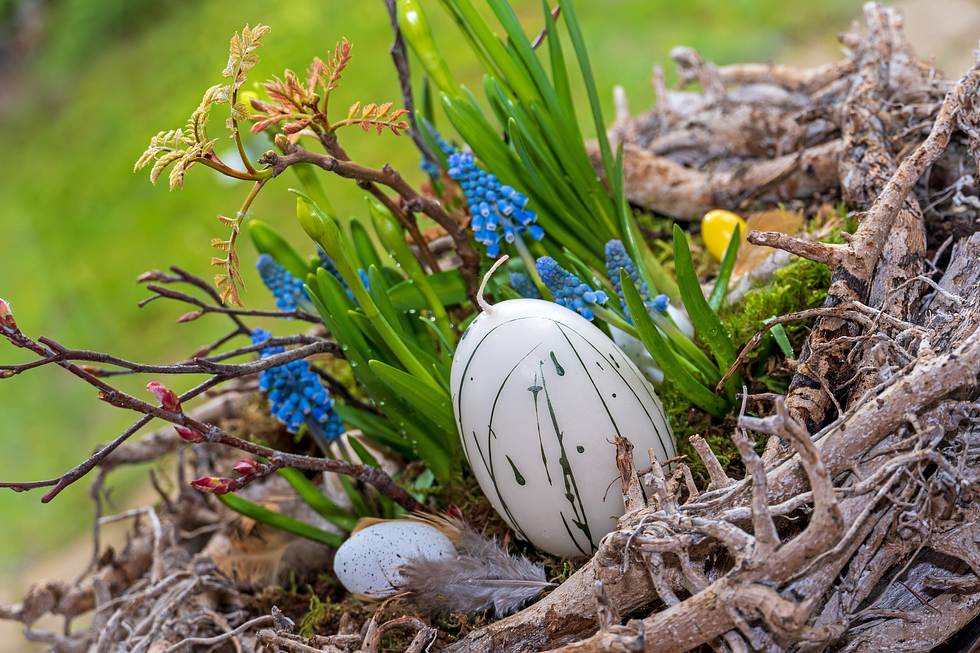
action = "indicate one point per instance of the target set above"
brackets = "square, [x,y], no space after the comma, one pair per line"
[85,83]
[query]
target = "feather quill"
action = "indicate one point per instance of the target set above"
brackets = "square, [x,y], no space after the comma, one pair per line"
[483,575]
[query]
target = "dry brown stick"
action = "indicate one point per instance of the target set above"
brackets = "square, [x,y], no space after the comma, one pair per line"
[930,380]
[826,521]
[719,479]
[220,639]
[746,591]
[399,57]
[767,538]
[372,640]
[58,354]
[668,187]
[828,254]
[793,78]
[405,217]
[271,637]
[632,490]
[169,293]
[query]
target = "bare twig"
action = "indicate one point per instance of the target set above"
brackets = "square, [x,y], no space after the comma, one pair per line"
[400,58]
[220,639]
[375,477]
[716,472]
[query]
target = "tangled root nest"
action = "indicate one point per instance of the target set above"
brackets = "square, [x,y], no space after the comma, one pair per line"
[860,523]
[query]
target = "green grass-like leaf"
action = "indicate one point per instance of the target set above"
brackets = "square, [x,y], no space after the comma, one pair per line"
[666,359]
[720,290]
[706,323]
[435,404]
[283,522]
[448,287]
[268,241]
[317,500]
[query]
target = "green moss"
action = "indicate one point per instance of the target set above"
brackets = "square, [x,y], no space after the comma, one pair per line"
[318,614]
[801,284]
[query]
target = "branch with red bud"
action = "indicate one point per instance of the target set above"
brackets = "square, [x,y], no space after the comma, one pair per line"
[50,352]
[247,466]
[189,435]
[249,470]
[6,315]
[167,397]
[214,484]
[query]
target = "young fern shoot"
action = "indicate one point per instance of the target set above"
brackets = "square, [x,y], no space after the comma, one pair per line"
[295,107]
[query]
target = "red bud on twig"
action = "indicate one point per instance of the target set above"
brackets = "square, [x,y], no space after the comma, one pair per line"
[7,314]
[246,467]
[213,484]
[167,397]
[190,316]
[188,435]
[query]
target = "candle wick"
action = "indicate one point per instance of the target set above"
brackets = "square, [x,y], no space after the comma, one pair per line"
[485,306]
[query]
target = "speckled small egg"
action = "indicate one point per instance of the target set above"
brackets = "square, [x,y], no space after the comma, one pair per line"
[368,562]
[539,394]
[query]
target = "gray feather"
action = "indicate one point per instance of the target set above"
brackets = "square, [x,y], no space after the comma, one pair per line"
[481,576]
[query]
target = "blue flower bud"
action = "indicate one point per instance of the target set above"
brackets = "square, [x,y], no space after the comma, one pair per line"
[616,260]
[287,289]
[523,285]
[492,205]
[295,393]
[568,290]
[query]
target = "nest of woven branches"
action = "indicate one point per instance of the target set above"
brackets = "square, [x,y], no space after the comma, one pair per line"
[858,525]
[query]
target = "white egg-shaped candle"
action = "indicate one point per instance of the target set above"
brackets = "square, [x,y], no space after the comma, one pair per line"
[539,393]
[368,562]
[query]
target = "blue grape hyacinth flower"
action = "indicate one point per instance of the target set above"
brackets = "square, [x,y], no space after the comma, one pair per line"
[524,286]
[568,290]
[334,428]
[616,260]
[296,396]
[287,289]
[499,212]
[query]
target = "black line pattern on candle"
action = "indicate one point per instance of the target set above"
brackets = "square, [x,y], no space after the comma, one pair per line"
[534,390]
[581,520]
[616,368]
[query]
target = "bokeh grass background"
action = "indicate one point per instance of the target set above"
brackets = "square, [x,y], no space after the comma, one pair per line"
[77,226]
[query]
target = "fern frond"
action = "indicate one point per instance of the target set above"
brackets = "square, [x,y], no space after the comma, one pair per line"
[241,54]
[376,116]
[341,57]
[230,280]
[162,162]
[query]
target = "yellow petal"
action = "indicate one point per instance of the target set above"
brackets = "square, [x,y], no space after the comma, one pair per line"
[717,227]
